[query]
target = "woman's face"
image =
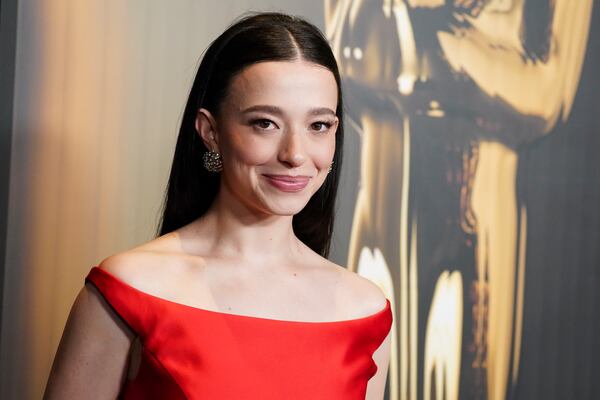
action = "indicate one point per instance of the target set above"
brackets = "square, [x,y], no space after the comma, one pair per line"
[277,123]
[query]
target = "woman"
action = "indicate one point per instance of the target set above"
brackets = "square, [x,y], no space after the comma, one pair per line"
[235,298]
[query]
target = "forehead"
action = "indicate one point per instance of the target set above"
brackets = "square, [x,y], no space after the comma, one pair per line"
[296,84]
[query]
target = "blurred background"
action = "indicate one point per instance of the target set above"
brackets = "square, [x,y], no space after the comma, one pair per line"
[470,192]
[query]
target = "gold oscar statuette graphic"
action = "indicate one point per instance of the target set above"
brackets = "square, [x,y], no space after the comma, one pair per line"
[451,88]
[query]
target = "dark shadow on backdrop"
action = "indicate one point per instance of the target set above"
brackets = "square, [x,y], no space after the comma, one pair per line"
[8,35]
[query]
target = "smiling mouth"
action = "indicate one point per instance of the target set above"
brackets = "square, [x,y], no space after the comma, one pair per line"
[288,183]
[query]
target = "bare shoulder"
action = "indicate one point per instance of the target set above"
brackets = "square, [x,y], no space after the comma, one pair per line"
[150,266]
[367,296]
[130,266]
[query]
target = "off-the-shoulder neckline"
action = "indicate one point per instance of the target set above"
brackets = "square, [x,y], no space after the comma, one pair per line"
[241,316]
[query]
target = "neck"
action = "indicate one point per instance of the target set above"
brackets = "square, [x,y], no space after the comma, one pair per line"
[236,230]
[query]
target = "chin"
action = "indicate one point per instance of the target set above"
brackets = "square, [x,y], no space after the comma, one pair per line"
[287,207]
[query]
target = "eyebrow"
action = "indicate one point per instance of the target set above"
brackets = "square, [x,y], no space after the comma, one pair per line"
[277,111]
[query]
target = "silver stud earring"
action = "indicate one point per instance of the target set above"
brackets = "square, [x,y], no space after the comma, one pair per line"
[330,167]
[213,161]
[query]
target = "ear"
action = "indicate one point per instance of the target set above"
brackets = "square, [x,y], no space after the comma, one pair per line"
[206,126]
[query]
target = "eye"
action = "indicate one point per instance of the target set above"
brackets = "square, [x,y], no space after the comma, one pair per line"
[262,123]
[322,126]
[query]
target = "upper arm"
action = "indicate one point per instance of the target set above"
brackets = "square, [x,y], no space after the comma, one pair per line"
[381,356]
[92,356]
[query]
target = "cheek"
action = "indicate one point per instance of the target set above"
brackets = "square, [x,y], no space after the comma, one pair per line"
[248,149]
[323,154]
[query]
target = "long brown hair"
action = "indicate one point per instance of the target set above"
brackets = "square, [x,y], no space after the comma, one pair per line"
[253,38]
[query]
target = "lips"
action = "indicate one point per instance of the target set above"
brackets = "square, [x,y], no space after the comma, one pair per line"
[288,183]
[289,178]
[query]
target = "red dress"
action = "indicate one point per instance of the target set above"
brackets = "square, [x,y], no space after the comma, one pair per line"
[193,353]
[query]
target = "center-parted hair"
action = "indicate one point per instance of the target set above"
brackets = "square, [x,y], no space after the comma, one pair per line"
[253,38]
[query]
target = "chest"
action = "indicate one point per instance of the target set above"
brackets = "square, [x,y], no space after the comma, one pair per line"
[291,295]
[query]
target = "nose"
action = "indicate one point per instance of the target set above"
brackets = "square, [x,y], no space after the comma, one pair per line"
[291,150]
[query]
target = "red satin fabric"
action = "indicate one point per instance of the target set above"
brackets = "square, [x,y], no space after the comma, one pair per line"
[193,353]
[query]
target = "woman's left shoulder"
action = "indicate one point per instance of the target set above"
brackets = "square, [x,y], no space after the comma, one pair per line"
[368,296]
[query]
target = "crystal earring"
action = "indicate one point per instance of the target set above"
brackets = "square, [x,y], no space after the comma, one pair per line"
[330,167]
[213,161]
